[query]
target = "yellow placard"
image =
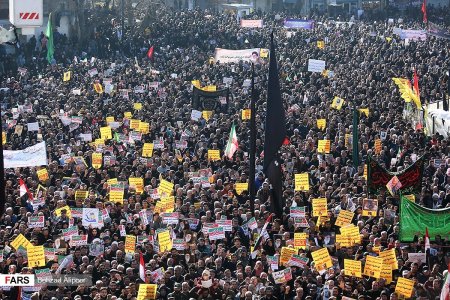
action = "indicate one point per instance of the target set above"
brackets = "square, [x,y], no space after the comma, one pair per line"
[42,175]
[404,287]
[67,75]
[301,182]
[109,120]
[365,172]
[130,244]
[286,254]
[127,115]
[373,266]
[206,114]
[134,124]
[352,267]
[320,44]
[144,127]
[322,124]
[410,197]
[167,204]
[165,243]
[345,217]
[196,83]
[111,181]
[81,195]
[240,187]
[213,155]
[300,240]
[337,103]
[3,138]
[165,187]
[246,114]
[319,206]
[343,241]
[105,133]
[36,256]
[99,142]
[67,208]
[21,240]
[147,291]
[137,183]
[364,111]
[97,159]
[147,150]
[116,196]
[352,232]
[137,106]
[378,146]
[322,259]
[389,258]
[386,273]
[324,146]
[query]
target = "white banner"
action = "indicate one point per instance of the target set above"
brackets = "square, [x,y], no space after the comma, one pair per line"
[91,217]
[252,23]
[234,56]
[413,35]
[316,65]
[33,156]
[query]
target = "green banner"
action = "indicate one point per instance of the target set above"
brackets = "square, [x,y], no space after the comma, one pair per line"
[414,219]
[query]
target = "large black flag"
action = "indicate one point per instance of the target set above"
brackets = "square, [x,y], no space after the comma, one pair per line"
[275,133]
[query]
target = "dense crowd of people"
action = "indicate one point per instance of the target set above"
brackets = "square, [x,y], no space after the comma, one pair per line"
[362,55]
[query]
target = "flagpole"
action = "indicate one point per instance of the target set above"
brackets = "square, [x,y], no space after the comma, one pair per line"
[251,184]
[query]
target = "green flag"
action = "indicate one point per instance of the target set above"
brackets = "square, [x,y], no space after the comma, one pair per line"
[355,154]
[414,219]
[49,34]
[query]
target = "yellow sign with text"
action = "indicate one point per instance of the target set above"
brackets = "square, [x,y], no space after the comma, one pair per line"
[319,206]
[301,182]
[352,267]
[147,150]
[345,217]
[324,146]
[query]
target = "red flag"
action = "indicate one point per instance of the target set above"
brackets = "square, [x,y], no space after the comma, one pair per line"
[150,52]
[23,189]
[424,11]
[416,84]
[286,141]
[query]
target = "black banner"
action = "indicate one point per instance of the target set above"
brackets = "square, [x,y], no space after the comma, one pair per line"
[213,101]
[410,178]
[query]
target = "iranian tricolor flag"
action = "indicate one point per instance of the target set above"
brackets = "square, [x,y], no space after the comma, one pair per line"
[141,267]
[232,144]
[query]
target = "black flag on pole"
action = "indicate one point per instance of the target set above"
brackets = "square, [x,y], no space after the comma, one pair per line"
[275,133]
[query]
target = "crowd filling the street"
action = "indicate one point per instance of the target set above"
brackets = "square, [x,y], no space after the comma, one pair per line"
[128,157]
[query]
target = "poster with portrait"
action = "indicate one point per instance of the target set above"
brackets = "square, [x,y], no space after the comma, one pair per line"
[370,208]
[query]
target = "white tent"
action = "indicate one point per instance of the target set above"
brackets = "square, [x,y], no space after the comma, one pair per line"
[438,120]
